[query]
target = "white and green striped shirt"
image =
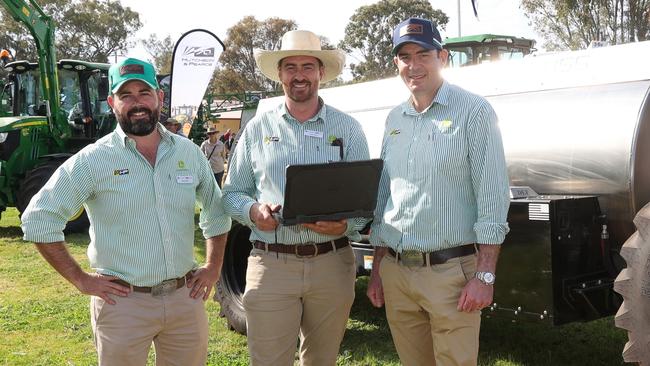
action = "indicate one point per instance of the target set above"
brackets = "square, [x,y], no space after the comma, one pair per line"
[141,217]
[273,140]
[445,181]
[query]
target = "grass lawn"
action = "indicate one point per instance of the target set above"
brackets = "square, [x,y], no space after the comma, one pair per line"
[45,321]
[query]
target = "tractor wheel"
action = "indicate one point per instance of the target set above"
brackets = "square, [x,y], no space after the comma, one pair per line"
[231,285]
[34,180]
[633,283]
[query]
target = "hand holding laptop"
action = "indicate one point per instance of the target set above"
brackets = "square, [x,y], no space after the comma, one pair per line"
[328,227]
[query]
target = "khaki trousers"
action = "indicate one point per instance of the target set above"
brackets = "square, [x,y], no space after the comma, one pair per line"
[421,303]
[176,323]
[287,297]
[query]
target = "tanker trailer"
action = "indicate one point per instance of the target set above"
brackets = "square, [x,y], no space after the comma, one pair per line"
[576,132]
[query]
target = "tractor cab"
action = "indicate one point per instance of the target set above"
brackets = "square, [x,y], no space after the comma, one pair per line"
[483,48]
[83,88]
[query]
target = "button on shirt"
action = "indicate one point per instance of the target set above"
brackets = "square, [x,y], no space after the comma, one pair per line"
[273,140]
[141,217]
[445,181]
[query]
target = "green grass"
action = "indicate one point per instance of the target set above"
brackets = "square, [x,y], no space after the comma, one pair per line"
[45,321]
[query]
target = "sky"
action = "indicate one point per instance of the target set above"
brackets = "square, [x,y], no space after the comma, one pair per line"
[325,18]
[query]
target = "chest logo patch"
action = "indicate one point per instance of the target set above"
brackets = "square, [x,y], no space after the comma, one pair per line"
[120,172]
[181,164]
[444,126]
[394,132]
[269,139]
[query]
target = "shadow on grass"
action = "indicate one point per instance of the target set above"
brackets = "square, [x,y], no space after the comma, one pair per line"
[581,344]
[502,342]
[10,231]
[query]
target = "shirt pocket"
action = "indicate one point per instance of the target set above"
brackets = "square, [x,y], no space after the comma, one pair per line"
[182,190]
[446,151]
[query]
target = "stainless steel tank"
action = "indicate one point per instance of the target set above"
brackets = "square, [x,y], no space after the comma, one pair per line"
[572,122]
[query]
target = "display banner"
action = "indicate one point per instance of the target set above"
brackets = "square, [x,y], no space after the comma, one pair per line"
[193,63]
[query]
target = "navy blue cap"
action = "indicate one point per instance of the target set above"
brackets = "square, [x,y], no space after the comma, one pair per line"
[419,31]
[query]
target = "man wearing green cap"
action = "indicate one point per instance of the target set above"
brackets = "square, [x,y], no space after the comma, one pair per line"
[145,285]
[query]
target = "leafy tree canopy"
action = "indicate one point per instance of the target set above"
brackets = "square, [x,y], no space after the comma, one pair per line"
[369,34]
[88,30]
[574,24]
[238,72]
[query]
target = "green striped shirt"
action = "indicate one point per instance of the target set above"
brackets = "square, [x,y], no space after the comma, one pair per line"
[445,181]
[141,217]
[273,140]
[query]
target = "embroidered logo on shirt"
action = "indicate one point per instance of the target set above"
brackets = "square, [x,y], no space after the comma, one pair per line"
[331,138]
[269,139]
[394,132]
[120,172]
[446,126]
[181,164]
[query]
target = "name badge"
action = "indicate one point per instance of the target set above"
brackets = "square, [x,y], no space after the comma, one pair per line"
[316,134]
[184,179]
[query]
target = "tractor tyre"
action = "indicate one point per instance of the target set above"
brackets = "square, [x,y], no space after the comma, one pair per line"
[232,283]
[34,180]
[633,283]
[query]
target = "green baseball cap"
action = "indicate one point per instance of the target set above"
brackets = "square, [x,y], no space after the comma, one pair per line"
[131,69]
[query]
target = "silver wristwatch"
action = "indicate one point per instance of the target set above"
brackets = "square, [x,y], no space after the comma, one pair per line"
[487,278]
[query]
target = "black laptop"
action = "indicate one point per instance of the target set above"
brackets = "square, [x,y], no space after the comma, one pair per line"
[330,191]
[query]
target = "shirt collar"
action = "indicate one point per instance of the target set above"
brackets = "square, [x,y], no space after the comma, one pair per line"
[165,135]
[321,116]
[442,98]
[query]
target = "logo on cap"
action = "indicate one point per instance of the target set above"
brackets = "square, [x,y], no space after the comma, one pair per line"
[131,69]
[411,29]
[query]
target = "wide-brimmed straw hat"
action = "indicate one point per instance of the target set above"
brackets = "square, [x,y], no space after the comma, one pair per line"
[300,43]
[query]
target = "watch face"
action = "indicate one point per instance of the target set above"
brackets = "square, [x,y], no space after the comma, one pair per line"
[488,277]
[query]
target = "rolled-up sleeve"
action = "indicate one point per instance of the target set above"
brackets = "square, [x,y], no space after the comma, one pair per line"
[213,219]
[60,199]
[239,187]
[489,176]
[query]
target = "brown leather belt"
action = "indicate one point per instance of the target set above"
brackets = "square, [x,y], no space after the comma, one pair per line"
[163,288]
[414,258]
[304,250]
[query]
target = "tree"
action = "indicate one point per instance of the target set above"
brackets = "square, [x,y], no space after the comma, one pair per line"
[161,51]
[89,30]
[573,24]
[239,72]
[369,33]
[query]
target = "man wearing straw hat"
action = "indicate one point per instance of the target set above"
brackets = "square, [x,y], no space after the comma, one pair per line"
[300,279]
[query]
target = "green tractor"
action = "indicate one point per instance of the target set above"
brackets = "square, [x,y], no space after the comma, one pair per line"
[483,48]
[50,111]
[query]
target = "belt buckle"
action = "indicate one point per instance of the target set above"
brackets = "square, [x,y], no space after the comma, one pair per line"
[164,288]
[411,258]
[306,244]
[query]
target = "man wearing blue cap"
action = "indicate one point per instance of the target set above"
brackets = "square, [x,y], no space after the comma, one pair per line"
[145,285]
[443,195]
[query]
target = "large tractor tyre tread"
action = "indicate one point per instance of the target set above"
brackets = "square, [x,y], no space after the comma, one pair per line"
[230,288]
[633,283]
[34,180]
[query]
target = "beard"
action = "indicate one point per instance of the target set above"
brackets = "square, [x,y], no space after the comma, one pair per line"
[138,126]
[302,95]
